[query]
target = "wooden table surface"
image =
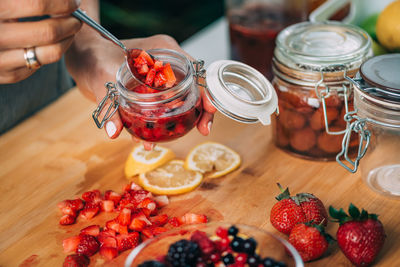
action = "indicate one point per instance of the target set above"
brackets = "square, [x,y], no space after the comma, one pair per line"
[59,153]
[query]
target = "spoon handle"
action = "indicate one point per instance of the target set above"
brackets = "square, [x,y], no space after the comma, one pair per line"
[81,15]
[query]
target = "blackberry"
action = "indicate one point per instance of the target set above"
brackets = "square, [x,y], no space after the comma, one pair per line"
[152,264]
[237,244]
[228,259]
[268,262]
[183,253]
[150,125]
[233,230]
[249,246]
[170,125]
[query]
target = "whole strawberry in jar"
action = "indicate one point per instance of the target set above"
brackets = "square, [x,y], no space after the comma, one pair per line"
[311,62]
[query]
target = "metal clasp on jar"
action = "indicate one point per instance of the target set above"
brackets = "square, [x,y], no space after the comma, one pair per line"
[326,93]
[359,126]
[112,96]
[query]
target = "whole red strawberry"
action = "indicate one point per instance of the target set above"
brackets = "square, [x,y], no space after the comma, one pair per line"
[310,240]
[291,210]
[360,235]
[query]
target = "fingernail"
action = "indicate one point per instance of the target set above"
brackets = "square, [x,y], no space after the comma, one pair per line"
[209,126]
[78,2]
[111,129]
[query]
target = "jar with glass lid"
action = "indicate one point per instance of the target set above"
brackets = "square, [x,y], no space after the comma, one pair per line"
[311,61]
[376,120]
[153,115]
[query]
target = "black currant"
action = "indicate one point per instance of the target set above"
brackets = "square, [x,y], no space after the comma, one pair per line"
[233,230]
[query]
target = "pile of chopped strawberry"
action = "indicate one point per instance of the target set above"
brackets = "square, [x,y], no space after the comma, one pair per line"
[152,72]
[138,219]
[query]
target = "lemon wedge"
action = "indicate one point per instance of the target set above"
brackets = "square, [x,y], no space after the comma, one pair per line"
[140,160]
[212,158]
[170,179]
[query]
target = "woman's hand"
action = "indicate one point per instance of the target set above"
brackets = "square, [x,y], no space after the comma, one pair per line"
[95,62]
[49,37]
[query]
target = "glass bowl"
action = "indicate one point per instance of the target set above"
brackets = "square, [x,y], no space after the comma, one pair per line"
[269,244]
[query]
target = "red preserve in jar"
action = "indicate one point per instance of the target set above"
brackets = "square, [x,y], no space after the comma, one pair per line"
[311,62]
[158,115]
[164,114]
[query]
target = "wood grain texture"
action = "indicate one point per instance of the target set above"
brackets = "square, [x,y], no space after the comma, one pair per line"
[59,153]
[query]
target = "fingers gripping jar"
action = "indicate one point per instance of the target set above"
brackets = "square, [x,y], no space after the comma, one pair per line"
[237,90]
[376,119]
[311,61]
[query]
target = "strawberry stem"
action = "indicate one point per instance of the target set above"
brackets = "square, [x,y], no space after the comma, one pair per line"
[285,193]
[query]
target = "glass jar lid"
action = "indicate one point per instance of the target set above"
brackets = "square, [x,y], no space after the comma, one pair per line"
[240,92]
[324,46]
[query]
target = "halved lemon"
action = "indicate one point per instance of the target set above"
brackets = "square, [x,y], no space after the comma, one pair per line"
[141,161]
[212,158]
[170,179]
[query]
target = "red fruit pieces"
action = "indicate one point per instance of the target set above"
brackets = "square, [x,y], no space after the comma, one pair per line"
[88,245]
[152,231]
[161,200]
[159,220]
[108,252]
[148,59]
[114,196]
[310,240]
[174,221]
[137,224]
[127,241]
[75,204]
[76,260]
[93,230]
[150,77]
[147,203]
[124,217]
[107,205]
[206,245]
[159,80]
[169,74]
[71,243]
[67,219]
[92,196]
[221,232]
[89,212]
[193,218]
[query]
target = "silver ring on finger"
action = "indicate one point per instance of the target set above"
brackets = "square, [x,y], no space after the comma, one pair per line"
[31,60]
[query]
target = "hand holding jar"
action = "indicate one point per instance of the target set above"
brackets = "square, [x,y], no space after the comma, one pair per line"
[156,117]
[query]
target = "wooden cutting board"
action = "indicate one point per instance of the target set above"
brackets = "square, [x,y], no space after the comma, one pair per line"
[59,153]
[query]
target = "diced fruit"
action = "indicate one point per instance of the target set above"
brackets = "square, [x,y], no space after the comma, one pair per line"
[152,231]
[159,80]
[76,260]
[68,211]
[147,203]
[137,225]
[127,241]
[124,217]
[107,241]
[92,196]
[67,219]
[147,57]
[192,218]
[150,77]
[161,201]
[113,225]
[88,245]
[174,222]
[93,230]
[71,243]
[159,220]
[158,65]
[114,196]
[143,69]
[169,74]
[109,252]
[107,205]
[89,212]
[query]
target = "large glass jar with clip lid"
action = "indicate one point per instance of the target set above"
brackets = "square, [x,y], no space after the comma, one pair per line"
[376,120]
[237,90]
[311,61]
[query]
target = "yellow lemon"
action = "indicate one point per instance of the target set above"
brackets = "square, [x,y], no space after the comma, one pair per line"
[212,158]
[170,179]
[140,160]
[388,26]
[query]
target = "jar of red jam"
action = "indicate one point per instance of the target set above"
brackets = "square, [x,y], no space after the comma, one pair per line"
[376,122]
[237,90]
[311,62]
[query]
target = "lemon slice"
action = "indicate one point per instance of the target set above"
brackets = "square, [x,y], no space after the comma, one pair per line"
[141,161]
[213,158]
[170,179]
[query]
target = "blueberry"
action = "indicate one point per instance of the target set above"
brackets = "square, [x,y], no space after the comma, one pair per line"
[150,125]
[237,244]
[253,260]
[268,262]
[233,230]
[228,259]
[170,126]
[249,246]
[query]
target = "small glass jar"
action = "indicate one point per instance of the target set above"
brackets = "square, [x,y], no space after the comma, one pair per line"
[237,90]
[311,62]
[377,122]
[162,116]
